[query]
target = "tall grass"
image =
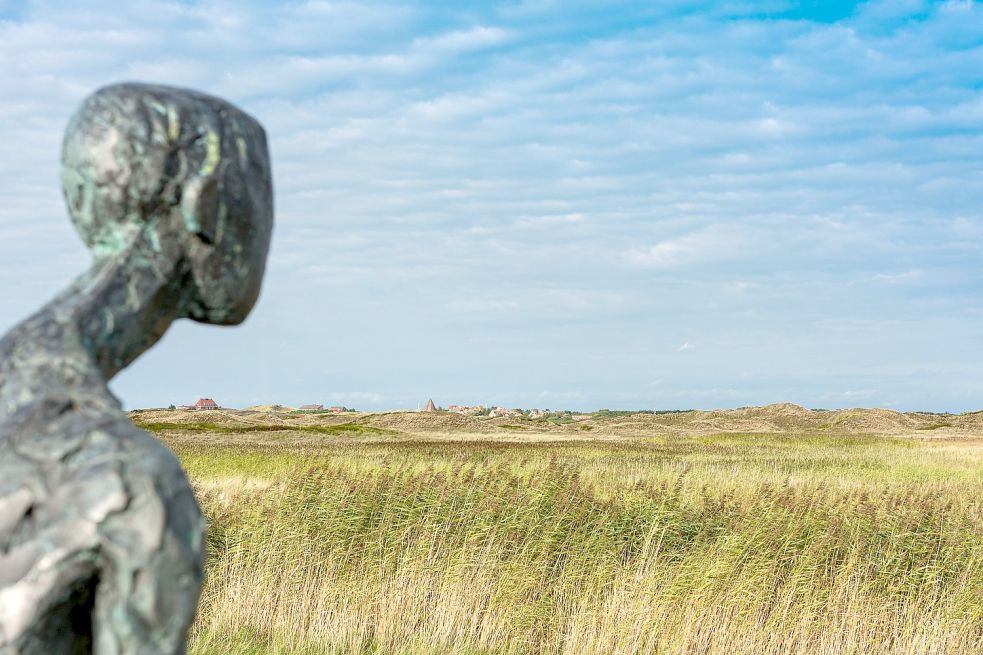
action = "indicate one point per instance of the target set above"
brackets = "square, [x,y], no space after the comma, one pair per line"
[731,544]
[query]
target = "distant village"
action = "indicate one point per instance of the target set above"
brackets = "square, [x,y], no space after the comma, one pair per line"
[206,404]
[491,412]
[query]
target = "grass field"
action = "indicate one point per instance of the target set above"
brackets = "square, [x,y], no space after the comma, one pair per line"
[338,543]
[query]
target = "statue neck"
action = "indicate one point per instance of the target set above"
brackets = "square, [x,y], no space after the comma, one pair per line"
[124,303]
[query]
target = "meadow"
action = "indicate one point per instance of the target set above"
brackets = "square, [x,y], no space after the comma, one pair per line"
[367,543]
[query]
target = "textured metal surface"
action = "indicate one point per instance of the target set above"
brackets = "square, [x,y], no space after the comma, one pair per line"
[101,539]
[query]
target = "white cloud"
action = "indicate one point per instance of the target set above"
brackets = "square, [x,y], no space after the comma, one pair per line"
[475,38]
[898,278]
[714,243]
[550,220]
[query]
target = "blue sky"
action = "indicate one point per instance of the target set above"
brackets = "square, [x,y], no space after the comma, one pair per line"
[553,204]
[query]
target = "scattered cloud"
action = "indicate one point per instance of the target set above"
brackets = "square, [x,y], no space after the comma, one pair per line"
[563,182]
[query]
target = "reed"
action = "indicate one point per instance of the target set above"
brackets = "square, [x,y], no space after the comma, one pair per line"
[710,545]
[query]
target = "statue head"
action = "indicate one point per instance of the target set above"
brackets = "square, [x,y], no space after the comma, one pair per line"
[184,171]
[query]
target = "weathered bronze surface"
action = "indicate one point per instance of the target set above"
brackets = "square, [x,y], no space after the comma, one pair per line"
[101,539]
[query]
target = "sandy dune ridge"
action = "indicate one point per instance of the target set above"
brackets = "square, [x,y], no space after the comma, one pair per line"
[771,419]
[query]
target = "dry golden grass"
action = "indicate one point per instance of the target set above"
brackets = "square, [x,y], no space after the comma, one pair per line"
[355,542]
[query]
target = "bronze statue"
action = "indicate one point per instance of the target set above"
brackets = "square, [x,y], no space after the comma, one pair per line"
[101,539]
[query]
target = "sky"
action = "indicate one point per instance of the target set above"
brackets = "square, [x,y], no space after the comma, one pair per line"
[571,204]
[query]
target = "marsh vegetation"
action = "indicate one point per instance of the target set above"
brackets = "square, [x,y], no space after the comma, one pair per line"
[732,543]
